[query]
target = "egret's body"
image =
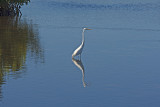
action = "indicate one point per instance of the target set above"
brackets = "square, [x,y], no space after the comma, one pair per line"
[78,51]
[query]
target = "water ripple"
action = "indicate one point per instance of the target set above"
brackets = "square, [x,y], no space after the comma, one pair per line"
[107,28]
[131,6]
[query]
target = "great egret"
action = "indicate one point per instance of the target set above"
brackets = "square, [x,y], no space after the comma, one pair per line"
[78,51]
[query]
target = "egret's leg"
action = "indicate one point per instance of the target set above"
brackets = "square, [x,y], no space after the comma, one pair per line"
[80,56]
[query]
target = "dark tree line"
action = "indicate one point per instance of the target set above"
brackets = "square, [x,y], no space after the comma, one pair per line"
[11,7]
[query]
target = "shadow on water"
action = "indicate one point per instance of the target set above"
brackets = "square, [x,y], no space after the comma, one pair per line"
[79,64]
[18,39]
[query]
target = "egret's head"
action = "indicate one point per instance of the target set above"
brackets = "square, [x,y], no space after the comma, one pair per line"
[86,29]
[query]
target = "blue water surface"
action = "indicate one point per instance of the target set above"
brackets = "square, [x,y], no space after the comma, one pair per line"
[120,58]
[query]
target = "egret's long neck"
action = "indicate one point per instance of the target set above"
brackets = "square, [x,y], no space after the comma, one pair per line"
[83,37]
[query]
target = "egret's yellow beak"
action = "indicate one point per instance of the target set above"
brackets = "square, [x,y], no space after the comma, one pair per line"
[88,29]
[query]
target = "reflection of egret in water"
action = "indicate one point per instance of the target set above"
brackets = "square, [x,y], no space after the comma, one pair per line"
[78,51]
[79,64]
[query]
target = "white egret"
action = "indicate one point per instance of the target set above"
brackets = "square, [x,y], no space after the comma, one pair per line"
[78,51]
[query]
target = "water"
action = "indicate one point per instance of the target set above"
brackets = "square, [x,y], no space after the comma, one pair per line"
[119,64]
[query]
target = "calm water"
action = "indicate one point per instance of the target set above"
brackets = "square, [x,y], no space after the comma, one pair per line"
[120,64]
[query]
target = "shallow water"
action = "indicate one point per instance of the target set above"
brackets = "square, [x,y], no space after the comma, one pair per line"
[119,65]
